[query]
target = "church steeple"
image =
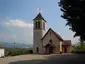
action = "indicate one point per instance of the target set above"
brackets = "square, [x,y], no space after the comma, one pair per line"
[39,22]
[39,17]
[38,33]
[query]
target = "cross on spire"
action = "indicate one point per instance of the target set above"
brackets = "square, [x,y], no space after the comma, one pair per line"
[39,10]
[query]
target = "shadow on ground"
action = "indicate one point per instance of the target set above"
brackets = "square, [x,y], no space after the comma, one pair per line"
[57,59]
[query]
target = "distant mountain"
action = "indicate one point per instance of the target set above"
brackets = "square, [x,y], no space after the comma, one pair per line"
[15,45]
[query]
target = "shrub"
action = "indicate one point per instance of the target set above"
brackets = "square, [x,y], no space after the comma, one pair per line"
[30,51]
[79,49]
[14,52]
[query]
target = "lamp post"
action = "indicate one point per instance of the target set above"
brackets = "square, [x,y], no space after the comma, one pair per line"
[14,44]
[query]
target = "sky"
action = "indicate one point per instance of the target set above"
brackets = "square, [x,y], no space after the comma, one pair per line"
[16,20]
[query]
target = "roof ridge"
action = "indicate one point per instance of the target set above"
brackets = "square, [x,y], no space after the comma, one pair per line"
[54,33]
[57,34]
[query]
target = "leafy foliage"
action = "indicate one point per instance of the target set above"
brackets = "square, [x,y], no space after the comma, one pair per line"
[79,48]
[14,52]
[74,13]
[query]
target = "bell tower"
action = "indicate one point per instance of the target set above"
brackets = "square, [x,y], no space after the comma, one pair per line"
[38,32]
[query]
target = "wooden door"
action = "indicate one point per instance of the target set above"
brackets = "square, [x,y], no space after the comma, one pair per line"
[65,49]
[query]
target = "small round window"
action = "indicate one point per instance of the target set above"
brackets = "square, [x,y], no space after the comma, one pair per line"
[50,40]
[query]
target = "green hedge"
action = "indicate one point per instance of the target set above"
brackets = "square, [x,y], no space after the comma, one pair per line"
[15,52]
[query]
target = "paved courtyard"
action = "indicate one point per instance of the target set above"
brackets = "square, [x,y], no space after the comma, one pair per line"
[45,59]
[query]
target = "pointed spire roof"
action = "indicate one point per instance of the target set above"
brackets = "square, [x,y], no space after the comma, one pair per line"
[39,17]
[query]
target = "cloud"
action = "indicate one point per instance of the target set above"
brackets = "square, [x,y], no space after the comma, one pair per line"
[16,31]
[13,36]
[19,24]
[22,31]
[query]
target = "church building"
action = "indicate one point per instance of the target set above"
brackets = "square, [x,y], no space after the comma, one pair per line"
[47,42]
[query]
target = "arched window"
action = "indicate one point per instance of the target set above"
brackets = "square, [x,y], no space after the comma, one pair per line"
[38,25]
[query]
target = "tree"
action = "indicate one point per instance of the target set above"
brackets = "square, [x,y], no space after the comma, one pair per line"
[74,13]
[78,47]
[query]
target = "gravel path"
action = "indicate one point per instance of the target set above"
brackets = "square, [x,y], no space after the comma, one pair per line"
[45,59]
[8,60]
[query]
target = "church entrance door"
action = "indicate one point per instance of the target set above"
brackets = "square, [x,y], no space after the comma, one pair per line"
[49,49]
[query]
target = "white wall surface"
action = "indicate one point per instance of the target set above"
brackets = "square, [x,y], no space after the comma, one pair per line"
[2,51]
